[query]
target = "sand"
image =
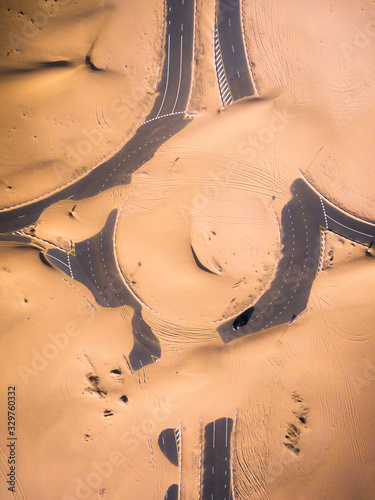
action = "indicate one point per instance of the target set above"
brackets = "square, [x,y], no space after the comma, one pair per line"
[197,241]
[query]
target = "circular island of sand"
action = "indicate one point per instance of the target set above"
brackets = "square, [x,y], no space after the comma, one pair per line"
[200,254]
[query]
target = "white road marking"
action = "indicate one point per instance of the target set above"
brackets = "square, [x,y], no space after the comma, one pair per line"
[324,212]
[213,438]
[226,433]
[179,80]
[166,86]
[351,229]
[20,217]
[66,265]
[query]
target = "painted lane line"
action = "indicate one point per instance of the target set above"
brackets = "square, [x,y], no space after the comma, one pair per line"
[70,267]
[245,48]
[166,85]
[179,80]
[324,212]
[66,265]
[193,70]
[103,160]
[213,437]
[350,228]
[226,433]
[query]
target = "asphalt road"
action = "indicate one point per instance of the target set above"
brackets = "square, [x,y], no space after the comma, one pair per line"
[216,463]
[172,493]
[303,219]
[174,87]
[166,118]
[94,266]
[168,442]
[344,224]
[232,67]
[93,263]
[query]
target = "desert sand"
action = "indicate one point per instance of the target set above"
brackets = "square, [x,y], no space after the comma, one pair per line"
[199,232]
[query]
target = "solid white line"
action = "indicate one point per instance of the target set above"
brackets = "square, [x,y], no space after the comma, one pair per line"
[330,203]
[351,229]
[179,80]
[60,188]
[66,265]
[166,85]
[226,433]
[213,438]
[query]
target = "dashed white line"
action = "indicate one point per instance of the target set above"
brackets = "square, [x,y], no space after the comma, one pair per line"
[324,212]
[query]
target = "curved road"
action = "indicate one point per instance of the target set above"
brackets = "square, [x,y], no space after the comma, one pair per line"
[167,117]
[93,263]
[233,72]
[303,219]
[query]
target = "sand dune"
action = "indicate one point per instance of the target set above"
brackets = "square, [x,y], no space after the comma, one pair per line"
[144,208]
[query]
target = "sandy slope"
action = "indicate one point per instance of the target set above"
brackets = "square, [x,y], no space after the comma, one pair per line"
[51,82]
[301,396]
[322,55]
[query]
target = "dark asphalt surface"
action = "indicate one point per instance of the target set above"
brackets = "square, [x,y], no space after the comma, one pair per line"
[167,442]
[114,172]
[302,217]
[174,87]
[94,266]
[233,55]
[346,225]
[302,220]
[216,462]
[172,493]
[164,120]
